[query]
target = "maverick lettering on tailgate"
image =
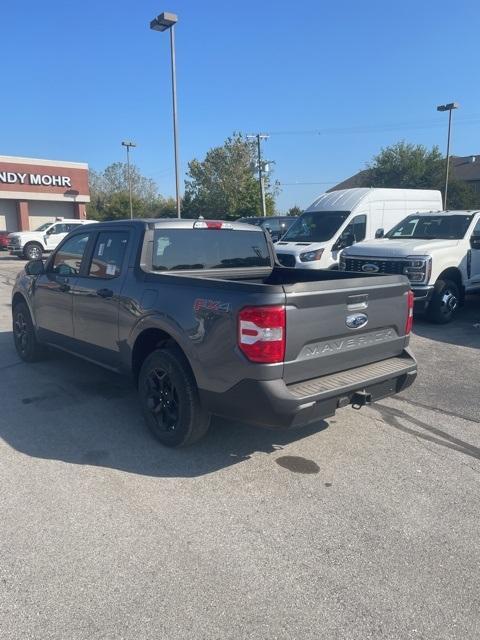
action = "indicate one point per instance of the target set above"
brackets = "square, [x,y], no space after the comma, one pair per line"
[348,343]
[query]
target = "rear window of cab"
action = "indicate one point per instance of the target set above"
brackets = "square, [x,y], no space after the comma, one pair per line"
[191,249]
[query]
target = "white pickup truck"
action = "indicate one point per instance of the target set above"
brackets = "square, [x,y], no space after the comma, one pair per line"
[31,245]
[438,252]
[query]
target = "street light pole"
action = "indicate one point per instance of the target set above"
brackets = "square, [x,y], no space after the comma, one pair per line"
[447,107]
[259,137]
[163,22]
[129,145]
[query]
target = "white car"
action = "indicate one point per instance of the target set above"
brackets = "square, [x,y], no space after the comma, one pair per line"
[33,244]
[338,219]
[438,252]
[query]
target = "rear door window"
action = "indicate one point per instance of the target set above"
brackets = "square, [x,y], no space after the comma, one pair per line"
[192,249]
[109,254]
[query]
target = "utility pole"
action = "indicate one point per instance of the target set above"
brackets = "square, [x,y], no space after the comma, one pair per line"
[167,21]
[259,137]
[447,107]
[129,144]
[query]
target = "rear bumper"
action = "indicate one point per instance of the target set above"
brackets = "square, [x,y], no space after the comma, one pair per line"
[272,403]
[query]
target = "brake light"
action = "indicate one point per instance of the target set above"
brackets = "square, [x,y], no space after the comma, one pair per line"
[212,224]
[261,333]
[410,302]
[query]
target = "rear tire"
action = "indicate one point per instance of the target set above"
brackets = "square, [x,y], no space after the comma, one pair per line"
[24,338]
[33,251]
[169,397]
[444,302]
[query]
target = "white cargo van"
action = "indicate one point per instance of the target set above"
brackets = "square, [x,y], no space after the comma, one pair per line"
[338,219]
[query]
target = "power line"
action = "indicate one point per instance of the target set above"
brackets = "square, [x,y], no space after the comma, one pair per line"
[285,184]
[426,124]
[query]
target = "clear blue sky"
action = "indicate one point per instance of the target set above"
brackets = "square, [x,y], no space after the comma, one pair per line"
[77,78]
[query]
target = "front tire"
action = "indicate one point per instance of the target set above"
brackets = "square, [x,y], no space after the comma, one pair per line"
[25,340]
[444,302]
[33,251]
[169,397]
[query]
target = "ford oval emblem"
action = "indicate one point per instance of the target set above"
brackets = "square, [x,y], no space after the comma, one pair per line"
[356,320]
[369,267]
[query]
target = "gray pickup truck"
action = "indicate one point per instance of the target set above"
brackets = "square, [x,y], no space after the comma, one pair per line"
[207,322]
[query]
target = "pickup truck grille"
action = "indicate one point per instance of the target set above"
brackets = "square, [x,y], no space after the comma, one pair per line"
[394,267]
[286,259]
[352,378]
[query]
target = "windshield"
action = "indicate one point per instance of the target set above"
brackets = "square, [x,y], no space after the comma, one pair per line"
[428,227]
[44,226]
[316,226]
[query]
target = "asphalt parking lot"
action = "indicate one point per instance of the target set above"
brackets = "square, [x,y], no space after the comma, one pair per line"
[365,526]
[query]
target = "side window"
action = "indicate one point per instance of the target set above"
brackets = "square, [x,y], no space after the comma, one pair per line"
[359,224]
[273,225]
[356,230]
[60,227]
[108,255]
[476,229]
[71,226]
[67,260]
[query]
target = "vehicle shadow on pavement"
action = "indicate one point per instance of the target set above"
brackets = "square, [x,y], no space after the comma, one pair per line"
[464,330]
[66,409]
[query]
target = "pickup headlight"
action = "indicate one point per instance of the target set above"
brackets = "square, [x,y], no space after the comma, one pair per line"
[418,269]
[342,263]
[310,256]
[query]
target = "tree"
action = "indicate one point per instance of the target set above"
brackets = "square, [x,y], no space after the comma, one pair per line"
[294,211]
[409,166]
[110,198]
[223,185]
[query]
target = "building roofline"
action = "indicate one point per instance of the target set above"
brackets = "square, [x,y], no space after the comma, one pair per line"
[44,162]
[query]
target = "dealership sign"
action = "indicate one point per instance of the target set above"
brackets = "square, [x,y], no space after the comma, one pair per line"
[47,180]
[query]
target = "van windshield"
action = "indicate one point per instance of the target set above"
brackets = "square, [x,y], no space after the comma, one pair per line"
[441,227]
[316,226]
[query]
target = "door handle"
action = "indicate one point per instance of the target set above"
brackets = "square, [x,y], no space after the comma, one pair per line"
[105,293]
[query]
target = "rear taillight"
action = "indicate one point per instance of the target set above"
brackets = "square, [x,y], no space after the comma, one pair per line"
[410,301]
[261,333]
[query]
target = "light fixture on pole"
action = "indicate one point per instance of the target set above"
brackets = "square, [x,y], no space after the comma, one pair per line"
[447,107]
[163,22]
[259,137]
[129,144]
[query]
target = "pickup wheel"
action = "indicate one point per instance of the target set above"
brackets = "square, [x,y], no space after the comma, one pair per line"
[26,343]
[33,251]
[444,302]
[170,402]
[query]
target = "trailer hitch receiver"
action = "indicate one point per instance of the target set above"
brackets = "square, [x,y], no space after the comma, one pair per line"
[360,399]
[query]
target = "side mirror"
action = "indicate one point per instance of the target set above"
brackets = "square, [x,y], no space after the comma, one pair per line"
[475,242]
[379,233]
[35,268]
[344,241]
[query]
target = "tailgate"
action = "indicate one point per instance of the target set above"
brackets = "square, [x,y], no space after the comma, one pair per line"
[341,324]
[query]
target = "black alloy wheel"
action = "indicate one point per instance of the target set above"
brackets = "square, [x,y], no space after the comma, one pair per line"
[162,399]
[24,338]
[170,399]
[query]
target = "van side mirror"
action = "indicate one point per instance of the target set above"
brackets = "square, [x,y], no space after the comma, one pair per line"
[379,233]
[35,268]
[475,242]
[344,241]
